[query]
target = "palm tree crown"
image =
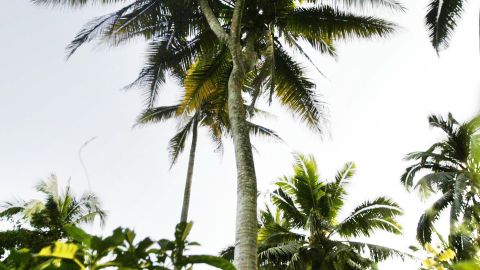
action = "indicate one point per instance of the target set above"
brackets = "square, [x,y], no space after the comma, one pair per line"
[452,168]
[182,44]
[213,115]
[45,219]
[303,231]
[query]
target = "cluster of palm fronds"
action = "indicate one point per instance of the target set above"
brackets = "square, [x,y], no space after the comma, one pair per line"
[452,169]
[40,222]
[303,230]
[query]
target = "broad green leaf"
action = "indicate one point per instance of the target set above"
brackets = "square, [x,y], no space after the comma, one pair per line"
[214,261]
[78,234]
[60,250]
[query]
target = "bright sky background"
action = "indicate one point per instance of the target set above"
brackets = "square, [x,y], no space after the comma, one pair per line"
[379,94]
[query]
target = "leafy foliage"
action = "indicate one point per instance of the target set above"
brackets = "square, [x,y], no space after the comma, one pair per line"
[303,232]
[120,250]
[441,19]
[182,44]
[452,169]
[39,223]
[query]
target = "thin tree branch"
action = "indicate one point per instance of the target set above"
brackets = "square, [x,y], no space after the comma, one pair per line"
[235,34]
[213,22]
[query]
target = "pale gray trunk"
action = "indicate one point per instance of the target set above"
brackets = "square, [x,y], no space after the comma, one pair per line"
[188,182]
[246,220]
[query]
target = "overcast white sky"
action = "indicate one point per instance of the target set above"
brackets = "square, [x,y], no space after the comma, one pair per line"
[379,94]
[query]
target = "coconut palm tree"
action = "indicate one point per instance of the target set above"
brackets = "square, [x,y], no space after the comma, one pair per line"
[452,168]
[441,19]
[39,222]
[213,116]
[303,231]
[256,38]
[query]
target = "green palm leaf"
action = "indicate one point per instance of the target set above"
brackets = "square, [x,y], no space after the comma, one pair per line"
[296,92]
[370,216]
[177,143]
[315,24]
[378,253]
[425,224]
[75,3]
[441,20]
[158,114]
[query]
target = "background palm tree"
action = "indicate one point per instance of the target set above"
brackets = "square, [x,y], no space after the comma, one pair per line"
[256,38]
[441,19]
[213,115]
[39,222]
[453,170]
[303,230]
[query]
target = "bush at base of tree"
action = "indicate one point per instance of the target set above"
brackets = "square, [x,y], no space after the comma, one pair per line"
[120,250]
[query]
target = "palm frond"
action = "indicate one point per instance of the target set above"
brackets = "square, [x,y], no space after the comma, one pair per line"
[377,252]
[441,20]
[427,220]
[359,4]
[10,209]
[335,191]
[165,55]
[49,187]
[319,23]
[448,125]
[99,27]
[287,205]
[278,254]
[177,143]
[208,75]
[296,92]
[262,131]
[458,202]
[434,182]
[90,209]
[345,174]
[75,3]
[273,231]
[158,114]
[378,214]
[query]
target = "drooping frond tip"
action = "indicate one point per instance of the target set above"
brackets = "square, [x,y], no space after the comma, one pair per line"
[441,20]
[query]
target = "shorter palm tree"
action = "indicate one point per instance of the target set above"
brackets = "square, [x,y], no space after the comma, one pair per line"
[39,222]
[453,169]
[212,114]
[303,230]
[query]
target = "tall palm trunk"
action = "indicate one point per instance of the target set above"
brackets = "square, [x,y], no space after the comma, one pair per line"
[188,182]
[246,217]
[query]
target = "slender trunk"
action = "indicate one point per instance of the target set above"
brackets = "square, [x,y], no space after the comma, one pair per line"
[246,219]
[188,185]
[188,182]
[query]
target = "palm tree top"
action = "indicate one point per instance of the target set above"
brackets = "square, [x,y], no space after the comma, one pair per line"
[302,229]
[451,168]
[310,202]
[57,208]
[182,45]
[212,113]
[459,150]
